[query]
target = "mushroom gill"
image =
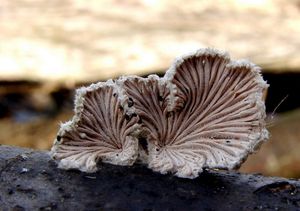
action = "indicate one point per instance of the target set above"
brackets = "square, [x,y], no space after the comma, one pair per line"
[100,130]
[206,112]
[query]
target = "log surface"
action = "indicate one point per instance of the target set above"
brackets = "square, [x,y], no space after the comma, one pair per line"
[30,180]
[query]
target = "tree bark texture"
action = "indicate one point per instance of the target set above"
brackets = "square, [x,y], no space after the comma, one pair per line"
[30,180]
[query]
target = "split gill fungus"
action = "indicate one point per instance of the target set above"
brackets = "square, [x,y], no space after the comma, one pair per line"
[206,112]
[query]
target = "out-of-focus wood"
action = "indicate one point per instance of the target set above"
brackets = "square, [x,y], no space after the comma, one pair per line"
[280,154]
[75,40]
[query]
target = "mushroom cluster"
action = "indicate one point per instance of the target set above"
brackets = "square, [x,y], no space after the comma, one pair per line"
[206,112]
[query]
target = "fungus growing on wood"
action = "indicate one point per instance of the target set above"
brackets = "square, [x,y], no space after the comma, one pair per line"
[100,130]
[206,112]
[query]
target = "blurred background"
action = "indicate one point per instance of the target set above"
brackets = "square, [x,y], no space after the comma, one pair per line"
[49,48]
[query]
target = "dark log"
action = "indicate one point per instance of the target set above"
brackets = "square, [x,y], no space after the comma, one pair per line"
[30,180]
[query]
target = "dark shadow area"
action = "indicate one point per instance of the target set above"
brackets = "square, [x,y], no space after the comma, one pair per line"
[16,100]
[283,86]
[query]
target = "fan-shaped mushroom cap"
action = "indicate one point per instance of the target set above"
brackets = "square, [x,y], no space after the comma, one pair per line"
[207,111]
[100,130]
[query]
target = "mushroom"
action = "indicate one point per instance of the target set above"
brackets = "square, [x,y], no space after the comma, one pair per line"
[206,112]
[99,130]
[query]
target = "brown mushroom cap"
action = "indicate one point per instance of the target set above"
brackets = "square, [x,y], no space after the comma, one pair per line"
[100,130]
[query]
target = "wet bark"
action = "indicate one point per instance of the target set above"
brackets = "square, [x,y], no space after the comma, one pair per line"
[30,180]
